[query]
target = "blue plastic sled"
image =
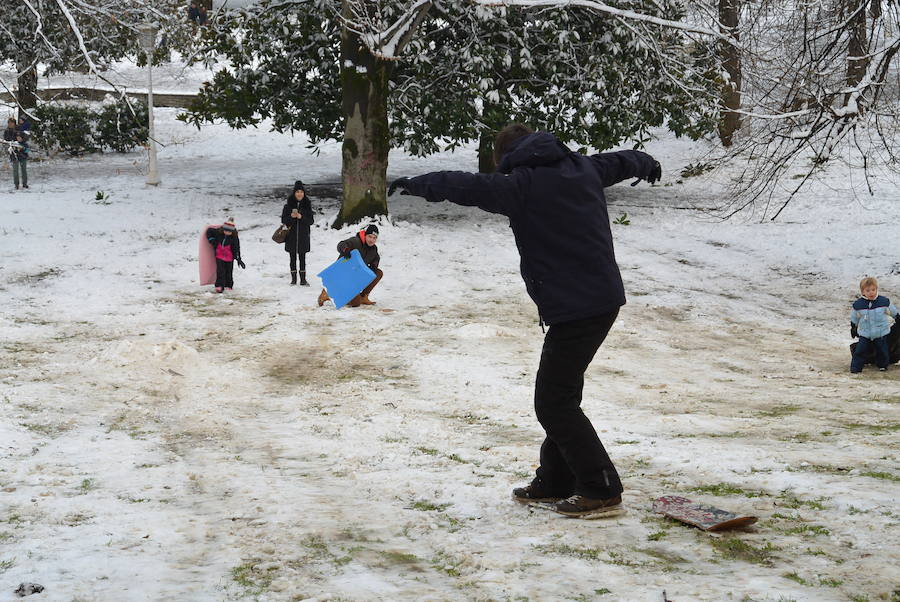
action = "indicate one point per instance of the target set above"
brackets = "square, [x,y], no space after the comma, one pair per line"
[346,278]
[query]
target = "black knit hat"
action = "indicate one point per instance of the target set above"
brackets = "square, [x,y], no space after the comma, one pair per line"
[298,185]
[371,229]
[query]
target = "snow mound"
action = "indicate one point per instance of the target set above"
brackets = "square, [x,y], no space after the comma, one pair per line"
[168,353]
[483,331]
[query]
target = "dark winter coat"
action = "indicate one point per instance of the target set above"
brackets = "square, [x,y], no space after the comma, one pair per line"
[893,341]
[369,254]
[554,200]
[17,151]
[216,237]
[298,238]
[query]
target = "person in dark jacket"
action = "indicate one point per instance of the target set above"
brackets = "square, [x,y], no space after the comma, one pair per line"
[227,245]
[298,216]
[364,242]
[17,151]
[554,200]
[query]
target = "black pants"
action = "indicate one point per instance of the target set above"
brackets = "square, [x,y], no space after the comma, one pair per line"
[573,460]
[224,272]
[294,263]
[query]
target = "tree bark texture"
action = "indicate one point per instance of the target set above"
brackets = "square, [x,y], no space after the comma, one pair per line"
[366,138]
[729,15]
[857,46]
[27,84]
[486,152]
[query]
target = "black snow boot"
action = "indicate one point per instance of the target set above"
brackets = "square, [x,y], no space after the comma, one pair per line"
[293,276]
[303,281]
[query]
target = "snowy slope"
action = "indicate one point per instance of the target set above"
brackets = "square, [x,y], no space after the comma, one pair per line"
[161,442]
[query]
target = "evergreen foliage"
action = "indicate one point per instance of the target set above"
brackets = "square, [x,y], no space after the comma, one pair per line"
[77,130]
[468,70]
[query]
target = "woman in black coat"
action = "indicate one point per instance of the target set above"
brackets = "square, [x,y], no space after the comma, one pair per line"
[298,216]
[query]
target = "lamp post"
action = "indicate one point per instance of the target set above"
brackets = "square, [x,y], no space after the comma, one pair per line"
[147,33]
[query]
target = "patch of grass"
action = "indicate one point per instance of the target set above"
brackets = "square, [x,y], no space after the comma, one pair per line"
[886,476]
[782,410]
[447,564]
[400,557]
[48,430]
[831,582]
[427,451]
[861,598]
[86,486]
[797,578]
[595,554]
[824,469]
[5,565]
[253,580]
[734,548]
[73,519]
[627,441]
[723,489]
[804,529]
[657,536]
[874,429]
[789,500]
[426,506]
[5,536]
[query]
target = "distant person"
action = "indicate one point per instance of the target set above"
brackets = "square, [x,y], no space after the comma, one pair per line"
[227,246]
[17,152]
[24,124]
[193,13]
[554,200]
[202,16]
[298,216]
[871,319]
[364,242]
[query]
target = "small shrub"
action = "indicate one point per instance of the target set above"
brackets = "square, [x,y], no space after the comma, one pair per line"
[122,126]
[622,220]
[67,128]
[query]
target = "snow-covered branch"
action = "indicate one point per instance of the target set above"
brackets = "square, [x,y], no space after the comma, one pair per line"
[611,10]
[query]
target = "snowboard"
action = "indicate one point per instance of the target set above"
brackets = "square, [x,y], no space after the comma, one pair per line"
[207,257]
[346,278]
[708,518]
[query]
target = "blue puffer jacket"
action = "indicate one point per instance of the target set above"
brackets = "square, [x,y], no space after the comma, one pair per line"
[873,318]
[554,200]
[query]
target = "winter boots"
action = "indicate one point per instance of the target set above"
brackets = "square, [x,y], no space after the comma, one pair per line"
[585,507]
[303,281]
[293,276]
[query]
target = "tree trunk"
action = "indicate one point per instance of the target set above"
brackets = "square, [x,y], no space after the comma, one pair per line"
[366,139]
[486,152]
[729,14]
[26,95]
[857,62]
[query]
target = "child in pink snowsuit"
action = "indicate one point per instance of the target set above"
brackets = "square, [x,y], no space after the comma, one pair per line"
[224,240]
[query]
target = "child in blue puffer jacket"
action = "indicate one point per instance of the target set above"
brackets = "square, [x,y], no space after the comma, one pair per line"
[871,319]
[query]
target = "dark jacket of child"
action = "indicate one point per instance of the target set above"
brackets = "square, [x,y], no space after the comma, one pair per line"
[228,250]
[369,254]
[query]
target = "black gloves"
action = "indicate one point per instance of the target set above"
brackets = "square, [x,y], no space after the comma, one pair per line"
[241,263]
[344,251]
[655,173]
[398,184]
[853,332]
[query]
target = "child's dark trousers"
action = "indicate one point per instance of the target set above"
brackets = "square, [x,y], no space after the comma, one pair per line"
[224,274]
[882,358]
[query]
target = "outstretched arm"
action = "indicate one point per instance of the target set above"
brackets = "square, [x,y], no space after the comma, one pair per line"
[495,193]
[623,165]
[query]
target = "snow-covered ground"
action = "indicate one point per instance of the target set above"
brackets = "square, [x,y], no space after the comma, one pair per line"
[160,442]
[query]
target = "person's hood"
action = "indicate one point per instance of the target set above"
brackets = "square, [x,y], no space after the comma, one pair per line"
[539,148]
